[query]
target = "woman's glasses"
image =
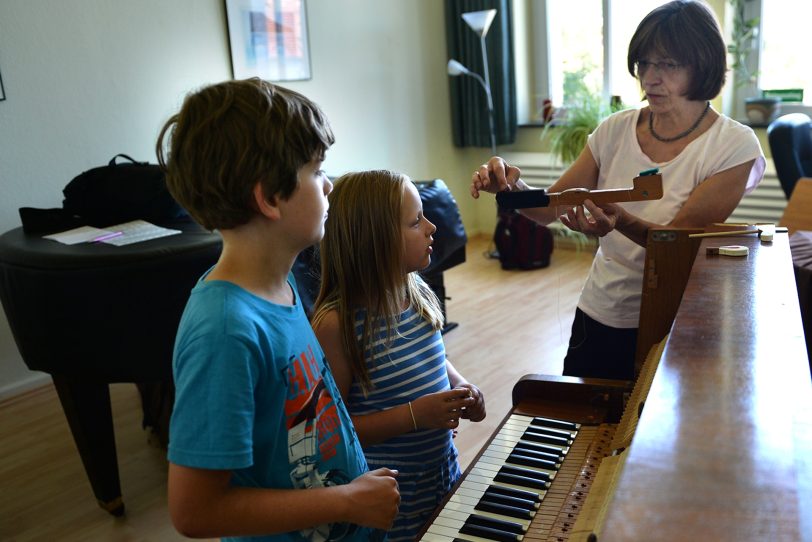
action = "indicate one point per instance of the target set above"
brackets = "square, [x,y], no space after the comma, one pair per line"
[663,67]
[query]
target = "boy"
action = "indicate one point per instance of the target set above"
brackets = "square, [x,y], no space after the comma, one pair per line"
[260,442]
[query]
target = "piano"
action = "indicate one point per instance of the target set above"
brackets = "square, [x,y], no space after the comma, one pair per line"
[713,441]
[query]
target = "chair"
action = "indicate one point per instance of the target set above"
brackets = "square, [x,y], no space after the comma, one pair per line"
[790,138]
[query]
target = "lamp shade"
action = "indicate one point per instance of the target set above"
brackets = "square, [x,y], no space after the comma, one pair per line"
[480,21]
[455,68]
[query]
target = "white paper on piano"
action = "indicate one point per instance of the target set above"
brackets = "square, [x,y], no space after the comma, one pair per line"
[137,231]
[75,236]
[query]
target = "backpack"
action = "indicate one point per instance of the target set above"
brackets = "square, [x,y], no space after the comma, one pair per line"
[121,192]
[521,242]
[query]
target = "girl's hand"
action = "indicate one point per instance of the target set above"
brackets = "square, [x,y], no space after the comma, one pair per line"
[476,411]
[442,409]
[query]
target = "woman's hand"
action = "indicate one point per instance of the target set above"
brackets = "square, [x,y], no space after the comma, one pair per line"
[495,176]
[601,220]
[442,409]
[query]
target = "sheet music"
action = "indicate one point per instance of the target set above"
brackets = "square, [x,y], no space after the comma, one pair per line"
[137,231]
[126,233]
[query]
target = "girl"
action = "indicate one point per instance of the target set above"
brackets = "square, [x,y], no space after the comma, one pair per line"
[379,325]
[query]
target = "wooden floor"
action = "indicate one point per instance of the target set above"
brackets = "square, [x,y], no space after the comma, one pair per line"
[510,323]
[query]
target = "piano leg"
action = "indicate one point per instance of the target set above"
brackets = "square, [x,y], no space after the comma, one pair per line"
[86,404]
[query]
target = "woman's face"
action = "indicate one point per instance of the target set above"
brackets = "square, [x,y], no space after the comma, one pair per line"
[664,80]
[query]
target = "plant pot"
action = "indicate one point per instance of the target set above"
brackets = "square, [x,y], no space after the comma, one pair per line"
[762,110]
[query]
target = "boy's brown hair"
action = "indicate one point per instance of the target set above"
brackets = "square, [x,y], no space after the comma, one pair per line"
[227,137]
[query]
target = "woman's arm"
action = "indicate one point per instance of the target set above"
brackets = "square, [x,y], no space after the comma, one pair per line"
[712,201]
[498,175]
[203,504]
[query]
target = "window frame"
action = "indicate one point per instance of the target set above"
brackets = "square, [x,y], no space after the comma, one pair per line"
[754,8]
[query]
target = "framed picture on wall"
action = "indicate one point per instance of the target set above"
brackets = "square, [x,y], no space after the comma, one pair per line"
[268,39]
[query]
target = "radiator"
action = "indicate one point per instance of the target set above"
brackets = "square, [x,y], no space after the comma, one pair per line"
[764,204]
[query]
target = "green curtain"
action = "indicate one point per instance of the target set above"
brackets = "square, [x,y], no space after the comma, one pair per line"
[469,104]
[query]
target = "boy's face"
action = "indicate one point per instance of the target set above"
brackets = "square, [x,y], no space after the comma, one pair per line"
[307,206]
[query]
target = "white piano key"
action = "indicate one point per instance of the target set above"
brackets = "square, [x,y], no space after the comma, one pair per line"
[470,492]
[443,520]
[499,447]
[464,499]
[431,537]
[439,530]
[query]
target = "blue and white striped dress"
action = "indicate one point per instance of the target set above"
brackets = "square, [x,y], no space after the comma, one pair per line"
[413,365]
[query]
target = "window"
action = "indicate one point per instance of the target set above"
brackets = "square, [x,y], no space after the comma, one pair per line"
[558,54]
[561,41]
[784,63]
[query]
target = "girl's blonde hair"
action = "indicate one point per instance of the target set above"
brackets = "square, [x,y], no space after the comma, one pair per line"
[362,264]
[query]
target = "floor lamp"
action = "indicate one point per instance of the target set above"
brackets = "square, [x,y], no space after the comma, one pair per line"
[479,22]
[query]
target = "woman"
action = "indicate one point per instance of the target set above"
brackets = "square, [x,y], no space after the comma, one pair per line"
[707,161]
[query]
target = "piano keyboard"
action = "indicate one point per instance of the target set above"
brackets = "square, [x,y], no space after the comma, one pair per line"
[527,484]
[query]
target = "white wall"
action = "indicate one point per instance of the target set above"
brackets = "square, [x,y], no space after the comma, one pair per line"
[87,79]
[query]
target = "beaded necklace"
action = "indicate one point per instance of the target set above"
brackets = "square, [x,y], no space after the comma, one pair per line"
[658,137]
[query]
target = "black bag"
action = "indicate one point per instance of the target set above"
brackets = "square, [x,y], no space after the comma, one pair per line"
[522,243]
[122,192]
[440,208]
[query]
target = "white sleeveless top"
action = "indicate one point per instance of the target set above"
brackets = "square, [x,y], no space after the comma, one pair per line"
[612,291]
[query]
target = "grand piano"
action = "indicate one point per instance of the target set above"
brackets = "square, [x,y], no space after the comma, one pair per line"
[712,442]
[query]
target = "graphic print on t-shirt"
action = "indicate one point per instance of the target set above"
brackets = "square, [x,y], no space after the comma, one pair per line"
[313,435]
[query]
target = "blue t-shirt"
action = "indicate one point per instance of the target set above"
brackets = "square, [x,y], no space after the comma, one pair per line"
[254,396]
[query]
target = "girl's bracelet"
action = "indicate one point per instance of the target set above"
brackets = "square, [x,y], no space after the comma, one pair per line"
[414,422]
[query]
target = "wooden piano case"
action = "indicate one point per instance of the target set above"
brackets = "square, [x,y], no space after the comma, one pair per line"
[723,448]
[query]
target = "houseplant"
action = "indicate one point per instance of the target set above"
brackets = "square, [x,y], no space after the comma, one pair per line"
[584,108]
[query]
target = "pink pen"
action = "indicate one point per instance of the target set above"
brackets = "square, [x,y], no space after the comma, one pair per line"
[107,236]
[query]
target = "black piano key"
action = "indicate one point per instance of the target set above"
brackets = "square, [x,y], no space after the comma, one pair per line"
[513,492]
[494,523]
[549,422]
[550,431]
[540,448]
[525,504]
[490,534]
[519,471]
[527,461]
[525,449]
[460,540]
[521,481]
[547,439]
[504,509]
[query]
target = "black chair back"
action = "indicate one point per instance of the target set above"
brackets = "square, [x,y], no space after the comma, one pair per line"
[790,138]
